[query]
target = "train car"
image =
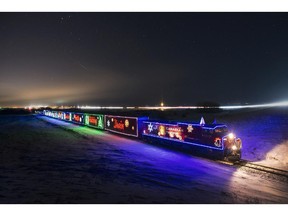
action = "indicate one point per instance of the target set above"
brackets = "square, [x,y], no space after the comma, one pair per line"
[67,116]
[78,118]
[55,114]
[60,115]
[49,113]
[94,120]
[209,139]
[124,125]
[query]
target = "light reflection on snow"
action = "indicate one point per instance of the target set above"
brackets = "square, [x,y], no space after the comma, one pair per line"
[160,169]
[251,187]
[277,157]
[87,130]
[163,157]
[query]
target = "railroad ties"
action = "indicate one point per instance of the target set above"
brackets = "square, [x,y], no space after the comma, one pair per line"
[263,170]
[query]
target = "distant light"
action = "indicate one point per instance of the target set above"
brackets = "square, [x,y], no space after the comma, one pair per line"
[277,104]
[89,107]
[167,107]
[163,107]
[99,107]
[35,106]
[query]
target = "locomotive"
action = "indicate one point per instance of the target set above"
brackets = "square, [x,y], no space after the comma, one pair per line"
[213,140]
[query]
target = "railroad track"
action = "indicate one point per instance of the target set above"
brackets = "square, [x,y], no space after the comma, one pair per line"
[258,167]
[266,169]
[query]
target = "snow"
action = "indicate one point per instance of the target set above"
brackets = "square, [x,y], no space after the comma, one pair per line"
[44,160]
[264,134]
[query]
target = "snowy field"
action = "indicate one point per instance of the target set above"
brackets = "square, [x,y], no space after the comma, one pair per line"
[43,160]
[264,134]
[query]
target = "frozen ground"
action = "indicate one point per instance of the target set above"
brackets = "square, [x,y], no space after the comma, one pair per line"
[264,134]
[43,160]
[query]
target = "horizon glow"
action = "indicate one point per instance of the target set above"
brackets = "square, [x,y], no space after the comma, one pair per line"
[276,104]
[267,105]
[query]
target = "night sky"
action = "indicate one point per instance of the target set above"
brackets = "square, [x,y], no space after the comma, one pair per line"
[138,59]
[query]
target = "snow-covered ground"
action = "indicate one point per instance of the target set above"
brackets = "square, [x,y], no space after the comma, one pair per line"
[43,160]
[264,134]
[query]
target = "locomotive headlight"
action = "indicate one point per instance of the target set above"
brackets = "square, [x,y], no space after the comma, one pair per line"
[231,136]
[234,147]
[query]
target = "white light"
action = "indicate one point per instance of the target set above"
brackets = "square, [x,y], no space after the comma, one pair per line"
[234,147]
[99,107]
[163,107]
[277,104]
[231,135]
[167,107]
[35,106]
[150,127]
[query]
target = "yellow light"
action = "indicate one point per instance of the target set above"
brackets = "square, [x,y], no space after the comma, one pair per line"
[234,147]
[162,104]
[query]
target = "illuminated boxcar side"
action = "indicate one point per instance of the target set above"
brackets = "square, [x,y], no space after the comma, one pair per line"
[67,116]
[94,120]
[78,118]
[129,126]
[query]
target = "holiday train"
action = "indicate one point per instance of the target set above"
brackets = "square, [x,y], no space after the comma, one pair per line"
[212,140]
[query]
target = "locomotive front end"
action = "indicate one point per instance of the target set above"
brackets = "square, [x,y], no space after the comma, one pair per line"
[232,147]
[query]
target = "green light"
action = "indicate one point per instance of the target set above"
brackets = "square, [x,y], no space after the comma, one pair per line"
[86,119]
[100,124]
[97,122]
[87,131]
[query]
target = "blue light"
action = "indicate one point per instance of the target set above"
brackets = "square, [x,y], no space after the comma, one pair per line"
[122,133]
[160,123]
[189,143]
